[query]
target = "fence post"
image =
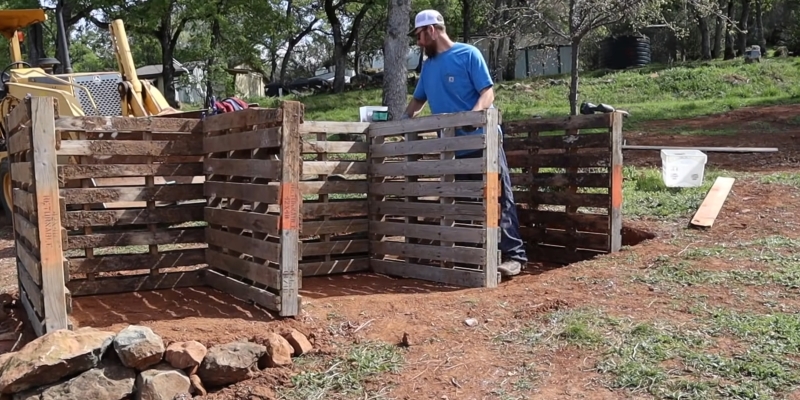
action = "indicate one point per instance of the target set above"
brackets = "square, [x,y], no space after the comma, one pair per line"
[45,171]
[491,197]
[290,207]
[615,169]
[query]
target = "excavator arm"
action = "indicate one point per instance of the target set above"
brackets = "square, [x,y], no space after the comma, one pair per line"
[139,99]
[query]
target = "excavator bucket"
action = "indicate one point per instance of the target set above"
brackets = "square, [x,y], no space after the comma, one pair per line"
[14,20]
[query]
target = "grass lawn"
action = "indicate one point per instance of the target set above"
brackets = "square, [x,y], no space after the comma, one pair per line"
[654,92]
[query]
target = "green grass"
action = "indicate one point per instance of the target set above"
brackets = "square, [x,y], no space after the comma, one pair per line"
[346,376]
[721,353]
[646,195]
[766,261]
[655,92]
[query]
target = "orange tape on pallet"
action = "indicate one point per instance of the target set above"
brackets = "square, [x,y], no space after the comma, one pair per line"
[492,195]
[616,186]
[290,206]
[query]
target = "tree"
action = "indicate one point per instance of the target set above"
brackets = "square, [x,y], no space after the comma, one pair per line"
[574,19]
[395,51]
[343,42]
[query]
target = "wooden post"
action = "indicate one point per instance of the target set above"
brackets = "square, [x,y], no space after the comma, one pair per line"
[491,197]
[290,207]
[49,215]
[615,188]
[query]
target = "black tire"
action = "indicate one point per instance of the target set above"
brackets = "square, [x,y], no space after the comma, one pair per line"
[5,173]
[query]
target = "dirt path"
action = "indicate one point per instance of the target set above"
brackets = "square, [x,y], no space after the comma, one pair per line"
[775,126]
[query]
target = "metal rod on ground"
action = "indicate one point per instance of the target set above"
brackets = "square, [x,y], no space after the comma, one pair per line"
[710,149]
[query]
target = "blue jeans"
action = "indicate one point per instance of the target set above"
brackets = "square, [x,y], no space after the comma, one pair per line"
[511,245]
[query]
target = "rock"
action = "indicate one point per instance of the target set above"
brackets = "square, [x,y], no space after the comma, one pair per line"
[138,347]
[51,357]
[299,342]
[262,393]
[183,355]
[471,322]
[279,351]
[6,300]
[162,382]
[406,340]
[230,363]
[110,381]
[197,385]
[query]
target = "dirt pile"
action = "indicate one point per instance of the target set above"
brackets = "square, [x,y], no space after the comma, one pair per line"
[136,363]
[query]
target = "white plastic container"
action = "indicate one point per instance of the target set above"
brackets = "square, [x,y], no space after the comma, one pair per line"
[365,113]
[683,168]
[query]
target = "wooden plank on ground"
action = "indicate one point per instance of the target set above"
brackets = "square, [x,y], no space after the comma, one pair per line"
[707,212]
[243,291]
[135,283]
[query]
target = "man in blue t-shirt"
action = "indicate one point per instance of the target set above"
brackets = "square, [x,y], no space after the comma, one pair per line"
[455,78]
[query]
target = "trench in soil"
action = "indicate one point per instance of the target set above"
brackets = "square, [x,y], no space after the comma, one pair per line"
[103,311]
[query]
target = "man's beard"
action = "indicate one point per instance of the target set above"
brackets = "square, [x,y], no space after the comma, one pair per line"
[431,51]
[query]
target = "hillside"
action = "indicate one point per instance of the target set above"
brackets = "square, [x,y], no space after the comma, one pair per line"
[655,92]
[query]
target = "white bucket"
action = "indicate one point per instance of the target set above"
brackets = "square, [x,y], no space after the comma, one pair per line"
[683,168]
[365,113]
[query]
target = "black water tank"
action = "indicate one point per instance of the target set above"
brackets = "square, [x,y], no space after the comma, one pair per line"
[625,52]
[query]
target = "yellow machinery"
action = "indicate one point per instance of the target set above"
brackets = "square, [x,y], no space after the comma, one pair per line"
[77,94]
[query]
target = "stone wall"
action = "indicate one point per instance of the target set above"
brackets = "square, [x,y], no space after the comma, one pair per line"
[89,363]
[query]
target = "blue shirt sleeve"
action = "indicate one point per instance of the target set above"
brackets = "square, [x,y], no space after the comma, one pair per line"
[478,70]
[419,91]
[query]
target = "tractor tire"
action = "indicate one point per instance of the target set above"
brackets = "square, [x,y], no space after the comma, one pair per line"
[5,178]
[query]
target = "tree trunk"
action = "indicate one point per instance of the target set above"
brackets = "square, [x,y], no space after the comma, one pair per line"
[762,40]
[511,58]
[573,84]
[718,29]
[705,38]
[340,63]
[216,42]
[742,35]
[340,46]
[167,65]
[273,64]
[466,18]
[395,50]
[729,48]
[293,41]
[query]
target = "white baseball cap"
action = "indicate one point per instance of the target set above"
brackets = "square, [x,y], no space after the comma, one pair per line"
[427,17]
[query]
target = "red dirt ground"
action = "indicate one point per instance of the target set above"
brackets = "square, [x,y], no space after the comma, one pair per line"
[447,359]
[775,126]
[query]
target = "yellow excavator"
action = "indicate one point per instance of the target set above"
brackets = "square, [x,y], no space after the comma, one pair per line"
[77,94]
